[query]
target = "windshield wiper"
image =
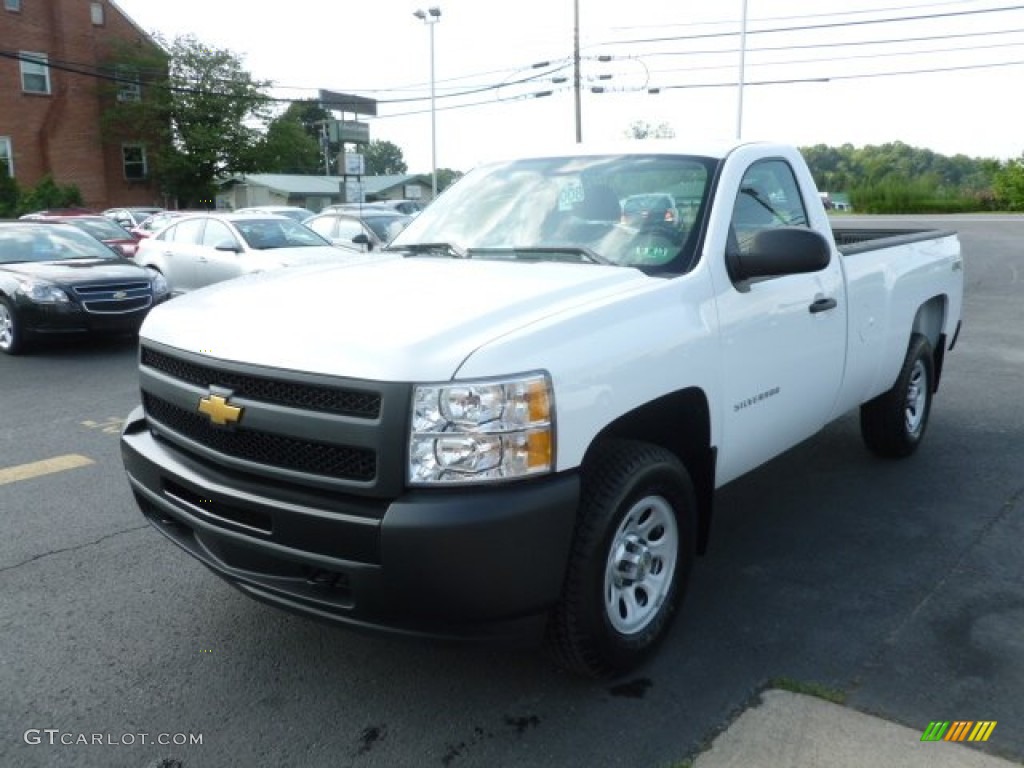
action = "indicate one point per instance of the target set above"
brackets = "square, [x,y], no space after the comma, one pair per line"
[578,251]
[756,196]
[451,249]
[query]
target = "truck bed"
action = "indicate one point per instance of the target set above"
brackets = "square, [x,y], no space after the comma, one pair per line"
[859,240]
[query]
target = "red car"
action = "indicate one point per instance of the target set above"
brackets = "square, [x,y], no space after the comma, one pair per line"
[100,227]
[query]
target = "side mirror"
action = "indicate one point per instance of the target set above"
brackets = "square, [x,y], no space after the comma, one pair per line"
[228,245]
[363,239]
[780,251]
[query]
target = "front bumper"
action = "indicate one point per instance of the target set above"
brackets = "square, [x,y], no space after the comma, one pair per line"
[466,563]
[71,318]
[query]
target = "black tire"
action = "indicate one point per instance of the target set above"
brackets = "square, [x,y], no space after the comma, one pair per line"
[12,340]
[636,498]
[894,423]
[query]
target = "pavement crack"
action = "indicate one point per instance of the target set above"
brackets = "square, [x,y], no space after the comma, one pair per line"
[74,548]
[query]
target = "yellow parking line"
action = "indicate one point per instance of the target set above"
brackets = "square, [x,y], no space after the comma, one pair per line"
[44,467]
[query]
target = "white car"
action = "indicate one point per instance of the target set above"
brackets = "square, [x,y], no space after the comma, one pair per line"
[201,249]
[293,212]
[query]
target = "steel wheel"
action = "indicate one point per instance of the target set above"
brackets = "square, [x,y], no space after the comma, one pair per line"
[893,424]
[10,332]
[640,566]
[917,398]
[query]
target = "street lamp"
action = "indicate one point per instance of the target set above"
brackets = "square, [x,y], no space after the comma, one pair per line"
[430,17]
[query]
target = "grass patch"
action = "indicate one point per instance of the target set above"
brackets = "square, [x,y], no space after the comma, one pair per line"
[810,689]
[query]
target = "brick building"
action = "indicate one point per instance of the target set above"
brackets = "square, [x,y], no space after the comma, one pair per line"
[50,117]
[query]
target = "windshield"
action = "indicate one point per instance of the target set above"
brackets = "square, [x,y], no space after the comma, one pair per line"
[548,208]
[279,232]
[49,242]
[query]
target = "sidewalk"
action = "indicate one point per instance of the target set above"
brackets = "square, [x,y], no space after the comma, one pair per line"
[790,730]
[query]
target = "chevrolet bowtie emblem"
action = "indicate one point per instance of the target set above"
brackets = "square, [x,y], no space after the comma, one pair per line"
[121,295]
[219,410]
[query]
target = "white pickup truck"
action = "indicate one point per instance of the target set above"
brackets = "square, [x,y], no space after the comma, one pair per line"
[513,424]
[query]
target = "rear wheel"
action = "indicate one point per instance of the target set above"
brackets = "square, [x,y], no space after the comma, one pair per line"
[893,424]
[630,562]
[11,338]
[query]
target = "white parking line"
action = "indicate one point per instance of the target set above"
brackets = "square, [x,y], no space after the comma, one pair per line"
[44,467]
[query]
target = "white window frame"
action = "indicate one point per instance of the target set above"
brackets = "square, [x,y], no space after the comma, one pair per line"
[96,14]
[35,64]
[129,84]
[7,154]
[12,5]
[125,163]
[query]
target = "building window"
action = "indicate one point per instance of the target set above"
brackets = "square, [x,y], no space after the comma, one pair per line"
[6,157]
[12,5]
[134,158]
[129,84]
[35,74]
[96,12]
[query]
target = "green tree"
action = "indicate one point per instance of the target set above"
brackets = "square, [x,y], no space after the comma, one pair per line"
[288,147]
[9,195]
[1008,185]
[446,177]
[641,129]
[384,159]
[202,109]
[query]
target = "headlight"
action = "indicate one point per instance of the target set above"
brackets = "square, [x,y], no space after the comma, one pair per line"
[158,281]
[478,431]
[42,293]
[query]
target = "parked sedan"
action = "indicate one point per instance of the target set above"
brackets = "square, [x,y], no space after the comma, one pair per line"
[369,230]
[130,217]
[104,230]
[198,250]
[55,279]
[291,211]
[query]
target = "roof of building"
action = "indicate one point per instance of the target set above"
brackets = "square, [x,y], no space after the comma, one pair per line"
[297,184]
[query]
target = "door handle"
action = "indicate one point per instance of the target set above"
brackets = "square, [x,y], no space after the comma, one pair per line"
[822,305]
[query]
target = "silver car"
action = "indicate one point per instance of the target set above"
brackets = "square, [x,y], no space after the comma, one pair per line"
[201,249]
[367,231]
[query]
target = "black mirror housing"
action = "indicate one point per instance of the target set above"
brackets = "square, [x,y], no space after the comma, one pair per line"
[780,251]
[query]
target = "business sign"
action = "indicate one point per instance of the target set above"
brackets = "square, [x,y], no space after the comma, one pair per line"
[353,164]
[346,102]
[348,130]
[353,190]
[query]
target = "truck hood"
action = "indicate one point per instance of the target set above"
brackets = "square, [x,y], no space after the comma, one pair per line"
[389,319]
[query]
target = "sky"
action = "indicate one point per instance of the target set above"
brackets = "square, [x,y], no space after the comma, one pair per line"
[946,75]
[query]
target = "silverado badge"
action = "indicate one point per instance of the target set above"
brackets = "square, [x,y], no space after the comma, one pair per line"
[219,410]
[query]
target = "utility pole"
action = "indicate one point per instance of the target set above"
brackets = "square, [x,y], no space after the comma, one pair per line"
[576,84]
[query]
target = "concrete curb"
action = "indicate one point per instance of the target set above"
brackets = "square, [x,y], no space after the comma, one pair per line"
[790,729]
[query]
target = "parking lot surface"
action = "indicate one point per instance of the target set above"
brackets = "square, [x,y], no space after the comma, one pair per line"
[896,587]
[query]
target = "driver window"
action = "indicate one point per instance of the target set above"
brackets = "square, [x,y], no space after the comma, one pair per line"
[769,197]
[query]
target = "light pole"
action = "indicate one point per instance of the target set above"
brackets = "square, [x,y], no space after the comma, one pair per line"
[430,17]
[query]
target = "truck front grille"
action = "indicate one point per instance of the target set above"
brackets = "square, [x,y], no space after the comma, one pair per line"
[293,394]
[339,462]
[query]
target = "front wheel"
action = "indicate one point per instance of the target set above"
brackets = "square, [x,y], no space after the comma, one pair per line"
[630,562]
[893,424]
[11,339]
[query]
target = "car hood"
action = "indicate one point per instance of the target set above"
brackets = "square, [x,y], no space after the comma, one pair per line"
[385,319]
[77,270]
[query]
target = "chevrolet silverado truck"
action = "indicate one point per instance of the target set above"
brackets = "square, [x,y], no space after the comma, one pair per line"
[512,423]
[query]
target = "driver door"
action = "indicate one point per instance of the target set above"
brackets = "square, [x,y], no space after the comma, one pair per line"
[783,338]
